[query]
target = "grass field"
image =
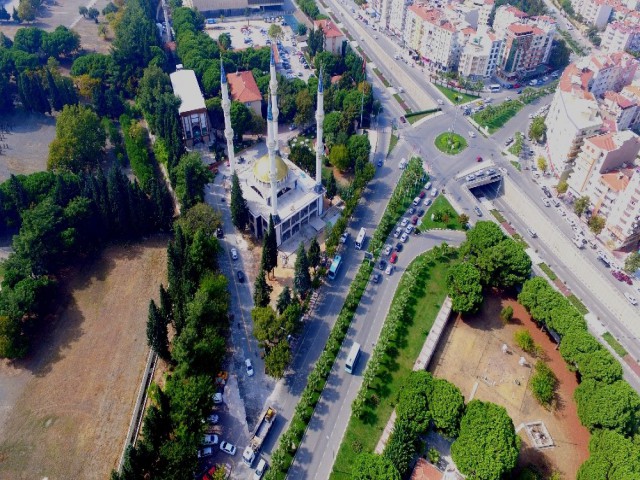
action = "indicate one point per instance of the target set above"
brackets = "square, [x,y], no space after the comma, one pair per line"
[450,143]
[441,204]
[393,142]
[495,117]
[456,98]
[619,349]
[67,407]
[550,273]
[363,435]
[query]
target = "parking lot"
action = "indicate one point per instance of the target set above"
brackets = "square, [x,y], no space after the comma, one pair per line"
[253,33]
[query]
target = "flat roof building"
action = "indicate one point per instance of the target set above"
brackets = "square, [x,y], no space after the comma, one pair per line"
[192,110]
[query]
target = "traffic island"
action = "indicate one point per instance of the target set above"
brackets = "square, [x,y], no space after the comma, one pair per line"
[450,143]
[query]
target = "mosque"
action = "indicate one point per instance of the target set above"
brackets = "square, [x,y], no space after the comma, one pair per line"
[272,185]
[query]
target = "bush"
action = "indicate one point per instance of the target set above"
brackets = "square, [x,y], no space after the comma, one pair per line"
[543,383]
[135,142]
[524,340]
[506,314]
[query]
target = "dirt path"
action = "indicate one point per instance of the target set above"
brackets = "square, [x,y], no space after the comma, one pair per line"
[64,411]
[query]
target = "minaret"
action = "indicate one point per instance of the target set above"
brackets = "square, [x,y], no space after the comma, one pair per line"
[273,86]
[226,109]
[273,171]
[320,128]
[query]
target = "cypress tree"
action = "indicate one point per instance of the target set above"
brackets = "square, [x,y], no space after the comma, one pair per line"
[262,290]
[272,244]
[284,300]
[314,253]
[332,187]
[165,303]
[157,336]
[301,276]
[57,101]
[239,208]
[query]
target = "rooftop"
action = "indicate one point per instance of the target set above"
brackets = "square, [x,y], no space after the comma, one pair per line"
[617,180]
[243,87]
[185,86]
[329,28]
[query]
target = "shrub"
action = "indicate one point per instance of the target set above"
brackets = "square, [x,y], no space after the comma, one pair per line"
[543,383]
[524,340]
[506,314]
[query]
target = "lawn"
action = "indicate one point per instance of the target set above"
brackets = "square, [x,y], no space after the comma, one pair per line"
[550,273]
[578,304]
[516,148]
[619,349]
[498,216]
[414,118]
[450,143]
[440,207]
[516,165]
[457,98]
[393,142]
[362,435]
[495,117]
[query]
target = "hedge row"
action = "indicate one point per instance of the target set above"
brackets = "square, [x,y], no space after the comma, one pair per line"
[282,457]
[422,112]
[604,400]
[411,181]
[135,143]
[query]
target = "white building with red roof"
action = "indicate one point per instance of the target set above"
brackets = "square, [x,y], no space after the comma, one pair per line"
[480,55]
[621,36]
[333,36]
[594,12]
[244,89]
[619,112]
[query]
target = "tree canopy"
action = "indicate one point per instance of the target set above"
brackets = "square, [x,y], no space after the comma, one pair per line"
[369,466]
[464,287]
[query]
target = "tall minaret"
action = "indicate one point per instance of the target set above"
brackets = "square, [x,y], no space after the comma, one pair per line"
[226,109]
[320,128]
[273,86]
[273,171]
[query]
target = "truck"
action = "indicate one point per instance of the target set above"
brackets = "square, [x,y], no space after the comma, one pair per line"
[260,434]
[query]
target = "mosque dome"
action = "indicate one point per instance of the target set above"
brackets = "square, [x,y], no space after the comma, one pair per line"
[262,169]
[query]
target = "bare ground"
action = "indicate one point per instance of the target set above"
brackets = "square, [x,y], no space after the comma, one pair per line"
[65,410]
[490,375]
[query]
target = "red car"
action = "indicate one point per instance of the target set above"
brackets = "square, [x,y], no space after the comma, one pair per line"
[414,220]
[479,159]
[393,258]
[516,85]
[421,194]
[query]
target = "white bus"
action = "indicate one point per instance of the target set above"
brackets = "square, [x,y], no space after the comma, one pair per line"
[354,354]
[360,239]
[495,88]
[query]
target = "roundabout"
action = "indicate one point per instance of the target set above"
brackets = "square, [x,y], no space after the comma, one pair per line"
[450,143]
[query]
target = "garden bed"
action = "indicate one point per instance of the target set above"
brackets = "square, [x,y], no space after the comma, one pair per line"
[450,143]
[457,98]
[450,222]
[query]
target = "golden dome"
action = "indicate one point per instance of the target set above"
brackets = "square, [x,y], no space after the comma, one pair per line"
[262,169]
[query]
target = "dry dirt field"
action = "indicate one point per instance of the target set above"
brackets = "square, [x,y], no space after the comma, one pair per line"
[490,375]
[65,411]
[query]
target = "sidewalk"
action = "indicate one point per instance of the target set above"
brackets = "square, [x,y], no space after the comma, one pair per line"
[421,363]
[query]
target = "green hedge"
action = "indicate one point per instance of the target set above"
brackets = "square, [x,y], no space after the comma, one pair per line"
[135,143]
[422,112]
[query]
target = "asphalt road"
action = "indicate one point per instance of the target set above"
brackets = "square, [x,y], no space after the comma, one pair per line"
[316,454]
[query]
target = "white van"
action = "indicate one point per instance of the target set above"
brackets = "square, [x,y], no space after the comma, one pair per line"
[403,163]
[416,201]
[260,469]
[495,88]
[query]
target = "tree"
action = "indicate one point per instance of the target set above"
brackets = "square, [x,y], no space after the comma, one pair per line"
[301,276]
[543,383]
[481,237]
[369,466]
[315,41]
[487,447]
[240,118]
[275,32]
[224,40]
[581,205]
[266,327]
[542,164]
[301,29]
[314,253]
[599,365]
[596,224]
[464,288]
[413,401]
[612,406]
[83,11]
[29,39]
[339,158]
[284,299]
[537,129]
[562,186]
[304,106]
[157,331]
[261,290]
[524,340]
[506,314]
[239,208]
[191,177]
[504,265]
[80,139]
[4,15]
[27,11]
[62,42]
[359,148]
[401,447]
[446,405]
[632,262]
[611,455]
[277,359]
[270,247]
[201,216]
[332,186]
[93,13]
[463,219]
[560,54]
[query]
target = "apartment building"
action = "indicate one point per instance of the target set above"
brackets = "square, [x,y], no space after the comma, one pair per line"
[601,72]
[620,36]
[479,56]
[333,36]
[594,12]
[525,48]
[619,111]
[623,221]
[397,15]
[599,155]
[505,16]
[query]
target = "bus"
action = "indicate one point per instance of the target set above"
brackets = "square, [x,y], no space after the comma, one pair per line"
[352,359]
[335,265]
[495,88]
[360,239]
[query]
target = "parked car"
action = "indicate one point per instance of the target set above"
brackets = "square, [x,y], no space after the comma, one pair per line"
[398,232]
[205,452]
[398,247]
[470,177]
[427,202]
[408,229]
[219,232]
[478,211]
[434,192]
[382,264]
[210,440]
[376,278]
[404,237]
[249,367]
[213,419]
[387,249]
[411,211]
[421,194]
[404,222]
[240,276]
[479,159]
[217,398]
[228,448]
[394,258]
[234,254]
[420,212]
[414,220]
[344,237]
[472,134]
[389,270]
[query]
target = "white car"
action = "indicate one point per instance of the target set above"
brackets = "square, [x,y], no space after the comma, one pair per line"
[427,202]
[631,299]
[408,229]
[440,101]
[388,249]
[398,232]
[404,237]
[205,452]
[389,269]
[434,192]
[470,177]
[234,254]
[210,440]
[247,364]
[404,222]
[213,419]
[472,134]
[217,398]
[546,202]
[228,448]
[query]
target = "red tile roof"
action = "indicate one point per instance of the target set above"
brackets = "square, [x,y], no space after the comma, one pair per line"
[243,87]
[520,29]
[620,100]
[425,471]
[328,28]
[617,180]
[603,142]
